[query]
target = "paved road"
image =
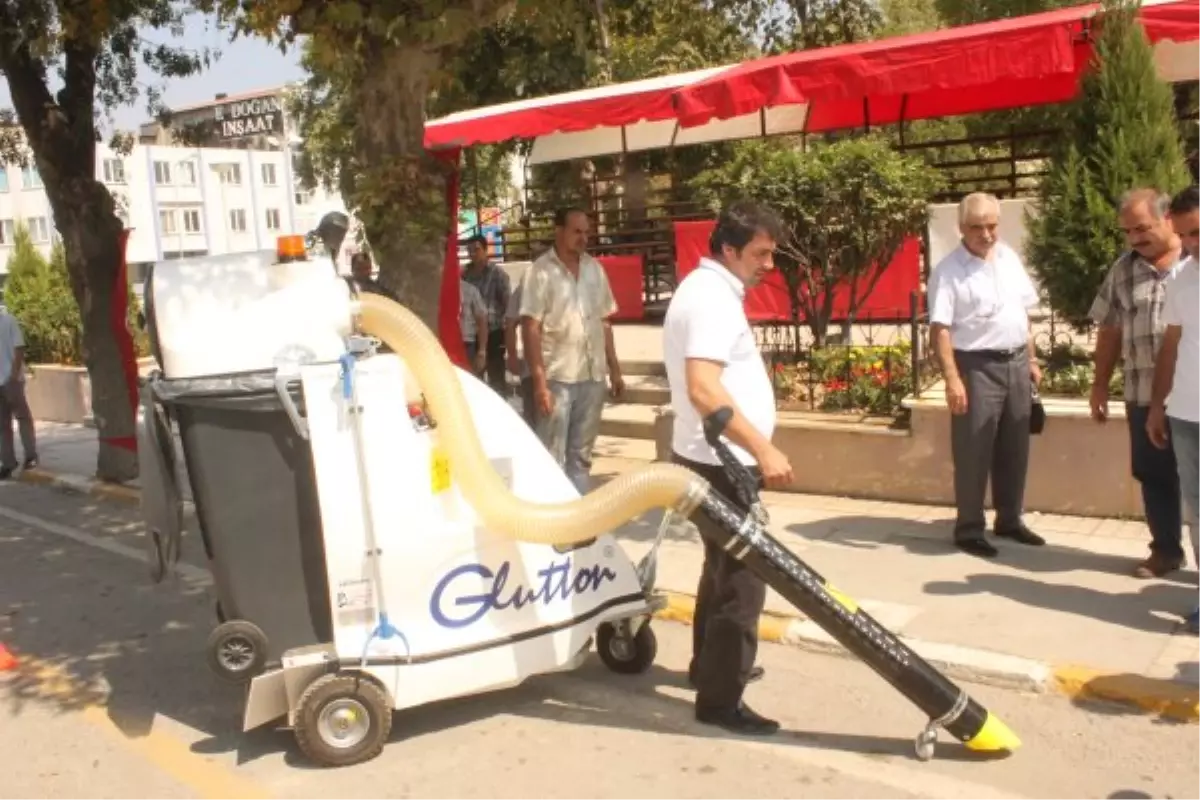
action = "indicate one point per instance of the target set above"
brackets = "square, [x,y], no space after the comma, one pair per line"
[112,698]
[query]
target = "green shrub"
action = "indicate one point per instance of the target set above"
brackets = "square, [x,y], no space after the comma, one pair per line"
[38,293]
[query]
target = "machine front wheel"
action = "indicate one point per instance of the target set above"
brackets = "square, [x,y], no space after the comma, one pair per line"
[625,654]
[343,719]
[237,650]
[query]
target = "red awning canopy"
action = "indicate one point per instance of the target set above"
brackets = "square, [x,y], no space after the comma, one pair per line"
[1025,61]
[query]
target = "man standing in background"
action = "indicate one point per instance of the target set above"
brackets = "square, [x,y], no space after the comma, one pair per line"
[566,308]
[979,297]
[1129,312]
[493,285]
[12,398]
[1174,419]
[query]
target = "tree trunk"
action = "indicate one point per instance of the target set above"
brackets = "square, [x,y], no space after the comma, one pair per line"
[401,189]
[91,233]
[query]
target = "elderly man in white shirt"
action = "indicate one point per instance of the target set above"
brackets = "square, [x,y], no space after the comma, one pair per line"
[1175,399]
[979,296]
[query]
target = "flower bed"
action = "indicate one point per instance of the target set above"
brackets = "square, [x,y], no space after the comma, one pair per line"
[866,379]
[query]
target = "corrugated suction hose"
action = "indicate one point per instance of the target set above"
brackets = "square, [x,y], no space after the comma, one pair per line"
[612,505]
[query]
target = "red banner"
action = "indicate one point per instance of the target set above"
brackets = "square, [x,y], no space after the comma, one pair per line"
[625,278]
[769,301]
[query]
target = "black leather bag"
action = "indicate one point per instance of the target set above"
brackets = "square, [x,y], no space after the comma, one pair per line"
[1037,413]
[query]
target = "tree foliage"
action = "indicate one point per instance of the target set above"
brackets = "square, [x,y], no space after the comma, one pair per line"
[94,50]
[847,206]
[1121,134]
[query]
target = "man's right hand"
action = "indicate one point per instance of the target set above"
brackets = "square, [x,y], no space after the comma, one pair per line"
[1156,427]
[776,469]
[956,395]
[543,399]
[1099,402]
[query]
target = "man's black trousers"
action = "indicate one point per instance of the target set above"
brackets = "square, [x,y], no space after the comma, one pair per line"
[494,369]
[729,600]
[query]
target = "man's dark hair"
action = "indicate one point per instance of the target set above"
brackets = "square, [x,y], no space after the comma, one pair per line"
[563,214]
[479,239]
[739,223]
[1186,201]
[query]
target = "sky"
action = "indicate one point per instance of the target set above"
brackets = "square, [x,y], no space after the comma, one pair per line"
[244,66]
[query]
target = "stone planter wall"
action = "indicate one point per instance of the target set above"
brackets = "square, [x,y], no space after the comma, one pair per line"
[59,394]
[1076,466]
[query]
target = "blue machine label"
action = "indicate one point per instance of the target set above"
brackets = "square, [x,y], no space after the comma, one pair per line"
[451,608]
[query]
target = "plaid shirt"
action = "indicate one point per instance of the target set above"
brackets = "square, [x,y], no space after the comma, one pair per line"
[1131,298]
[493,285]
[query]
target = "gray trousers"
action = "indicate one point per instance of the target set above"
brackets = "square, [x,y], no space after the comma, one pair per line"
[991,439]
[13,404]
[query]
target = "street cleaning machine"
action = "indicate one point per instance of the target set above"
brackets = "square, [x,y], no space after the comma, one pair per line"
[384,531]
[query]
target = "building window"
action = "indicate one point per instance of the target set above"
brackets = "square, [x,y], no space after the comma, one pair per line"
[30,178]
[3,179]
[187,173]
[268,173]
[114,170]
[231,174]
[7,232]
[302,198]
[39,230]
[162,173]
[166,221]
[272,219]
[237,219]
[191,220]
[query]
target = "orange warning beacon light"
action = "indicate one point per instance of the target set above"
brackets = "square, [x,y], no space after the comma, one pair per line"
[7,660]
[290,248]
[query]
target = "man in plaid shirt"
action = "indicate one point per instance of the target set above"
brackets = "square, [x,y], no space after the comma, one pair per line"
[493,285]
[1129,312]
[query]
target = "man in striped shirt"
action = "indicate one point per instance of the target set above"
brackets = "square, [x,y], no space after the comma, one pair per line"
[1129,312]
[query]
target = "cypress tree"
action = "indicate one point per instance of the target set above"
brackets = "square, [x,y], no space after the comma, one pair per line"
[1121,134]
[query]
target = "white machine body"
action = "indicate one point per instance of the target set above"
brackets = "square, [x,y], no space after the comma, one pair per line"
[475,610]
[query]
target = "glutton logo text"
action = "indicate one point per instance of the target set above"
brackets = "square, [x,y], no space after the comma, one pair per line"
[456,604]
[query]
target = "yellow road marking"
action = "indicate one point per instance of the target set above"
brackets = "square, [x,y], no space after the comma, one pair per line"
[205,776]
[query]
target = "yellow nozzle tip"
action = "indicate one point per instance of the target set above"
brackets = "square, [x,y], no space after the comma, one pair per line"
[993,737]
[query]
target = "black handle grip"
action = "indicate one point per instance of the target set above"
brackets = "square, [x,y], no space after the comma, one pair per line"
[743,480]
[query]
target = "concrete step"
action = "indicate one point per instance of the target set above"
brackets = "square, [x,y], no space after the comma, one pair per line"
[648,390]
[628,421]
[641,366]
[619,448]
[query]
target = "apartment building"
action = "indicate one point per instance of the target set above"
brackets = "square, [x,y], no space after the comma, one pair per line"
[179,202]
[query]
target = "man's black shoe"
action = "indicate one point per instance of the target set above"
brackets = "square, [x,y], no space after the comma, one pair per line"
[976,546]
[1022,535]
[6,473]
[738,720]
[756,674]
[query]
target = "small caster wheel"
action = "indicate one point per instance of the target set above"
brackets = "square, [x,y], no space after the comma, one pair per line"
[342,719]
[625,655]
[237,650]
[925,744]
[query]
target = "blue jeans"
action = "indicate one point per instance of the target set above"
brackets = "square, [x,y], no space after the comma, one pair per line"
[1185,438]
[569,431]
[1158,474]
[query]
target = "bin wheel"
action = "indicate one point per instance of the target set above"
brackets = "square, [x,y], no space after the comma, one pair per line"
[624,654]
[237,650]
[342,719]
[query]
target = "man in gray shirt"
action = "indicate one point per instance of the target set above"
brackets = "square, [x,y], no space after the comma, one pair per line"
[12,398]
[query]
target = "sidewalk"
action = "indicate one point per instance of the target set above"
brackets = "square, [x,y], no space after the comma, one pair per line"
[1066,617]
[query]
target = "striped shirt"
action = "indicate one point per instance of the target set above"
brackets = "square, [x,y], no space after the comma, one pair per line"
[494,287]
[1131,298]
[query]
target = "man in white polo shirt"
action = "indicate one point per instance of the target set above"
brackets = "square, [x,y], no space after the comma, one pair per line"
[1175,400]
[979,298]
[713,362]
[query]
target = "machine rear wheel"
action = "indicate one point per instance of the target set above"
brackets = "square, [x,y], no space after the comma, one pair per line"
[624,654]
[343,719]
[237,650]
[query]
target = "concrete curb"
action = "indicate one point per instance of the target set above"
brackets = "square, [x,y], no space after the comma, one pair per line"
[1169,699]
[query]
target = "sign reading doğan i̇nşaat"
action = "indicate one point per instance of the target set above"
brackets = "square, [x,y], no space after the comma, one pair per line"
[241,118]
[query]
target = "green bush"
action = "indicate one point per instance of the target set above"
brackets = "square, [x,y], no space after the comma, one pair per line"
[1121,134]
[38,293]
